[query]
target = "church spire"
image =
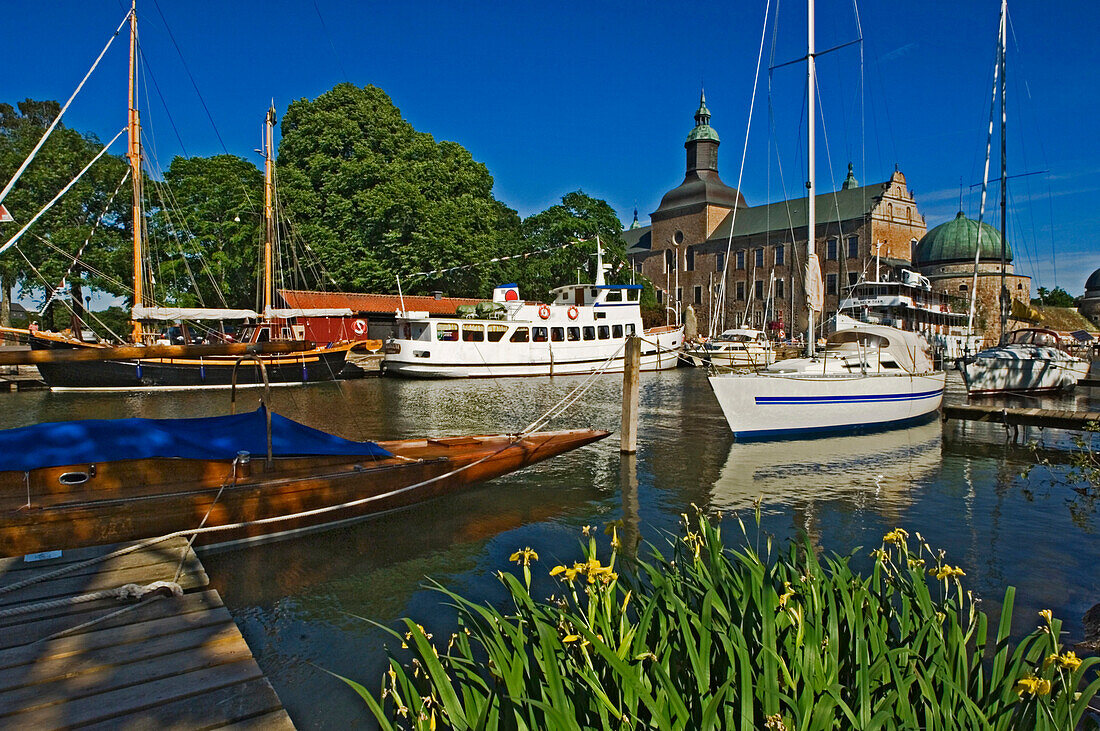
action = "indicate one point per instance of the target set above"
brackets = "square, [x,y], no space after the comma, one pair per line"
[850,181]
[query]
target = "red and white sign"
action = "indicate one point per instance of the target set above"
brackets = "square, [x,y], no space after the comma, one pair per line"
[5,217]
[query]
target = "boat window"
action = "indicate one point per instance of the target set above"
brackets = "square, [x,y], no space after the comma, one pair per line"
[616,331]
[600,315]
[851,338]
[632,294]
[263,336]
[473,333]
[630,328]
[604,332]
[538,335]
[565,295]
[589,332]
[614,295]
[446,331]
[496,333]
[573,333]
[519,336]
[557,334]
[593,292]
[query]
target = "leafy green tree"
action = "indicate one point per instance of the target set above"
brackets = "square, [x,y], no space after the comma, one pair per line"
[377,199]
[1056,297]
[45,253]
[208,228]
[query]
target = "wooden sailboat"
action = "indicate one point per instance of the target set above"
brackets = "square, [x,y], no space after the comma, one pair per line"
[242,477]
[306,365]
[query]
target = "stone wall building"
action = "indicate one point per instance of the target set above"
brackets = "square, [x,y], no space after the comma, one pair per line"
[946,256]
[684,249]
[1089,305]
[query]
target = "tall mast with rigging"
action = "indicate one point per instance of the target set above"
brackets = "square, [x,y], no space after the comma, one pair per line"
[133,153]
[811,217]
[1004,299]
[269,210]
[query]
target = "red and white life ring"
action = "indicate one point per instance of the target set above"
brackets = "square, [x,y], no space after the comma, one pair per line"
[573,312]
[544,312]
[360,327]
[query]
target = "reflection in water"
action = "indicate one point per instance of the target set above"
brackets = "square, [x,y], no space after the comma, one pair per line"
[303,604]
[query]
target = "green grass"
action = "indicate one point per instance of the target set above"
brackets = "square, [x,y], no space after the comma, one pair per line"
[715,637]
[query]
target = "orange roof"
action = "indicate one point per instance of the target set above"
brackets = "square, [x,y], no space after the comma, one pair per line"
[373,303]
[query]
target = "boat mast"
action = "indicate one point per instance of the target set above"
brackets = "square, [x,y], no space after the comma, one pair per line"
[269,214]
[1004,296]
[134,155]
[811,217]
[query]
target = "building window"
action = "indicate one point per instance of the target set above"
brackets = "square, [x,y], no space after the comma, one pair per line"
[830,250]
[740,259]
[679,295]
[758,289]
[668,260]
[719,261]
[698,295]
[853,279]
[759,257]
[830,284]
[689,259]
[660,296]
[890,210]
[779,255]
[853,247]
[779,289]
[963,288]
[741,290]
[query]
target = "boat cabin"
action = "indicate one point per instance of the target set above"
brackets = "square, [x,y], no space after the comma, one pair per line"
[1034,336]
[597,295]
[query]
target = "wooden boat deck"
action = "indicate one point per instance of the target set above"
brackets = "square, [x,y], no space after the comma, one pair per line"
[165,662]
[1050,418]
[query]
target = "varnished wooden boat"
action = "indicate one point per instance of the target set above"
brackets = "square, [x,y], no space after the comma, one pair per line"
[84,502]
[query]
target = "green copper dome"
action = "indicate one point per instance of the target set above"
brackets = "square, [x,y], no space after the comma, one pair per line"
[956,240]
[703,130]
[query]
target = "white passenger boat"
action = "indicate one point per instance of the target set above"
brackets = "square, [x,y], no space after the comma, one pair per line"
[1031,360]
[869,376]
[582,330]
[735,348]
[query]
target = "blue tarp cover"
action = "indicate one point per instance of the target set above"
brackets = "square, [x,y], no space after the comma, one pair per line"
[213,437]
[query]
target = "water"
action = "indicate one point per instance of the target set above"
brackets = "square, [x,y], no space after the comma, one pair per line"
[309,605]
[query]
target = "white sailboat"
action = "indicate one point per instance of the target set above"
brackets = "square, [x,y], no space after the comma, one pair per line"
[869,376]
[1032,359]
[739,347]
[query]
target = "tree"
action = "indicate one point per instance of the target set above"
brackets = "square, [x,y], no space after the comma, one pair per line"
[1056,297]
[45,253]
[209,227]
[377,199]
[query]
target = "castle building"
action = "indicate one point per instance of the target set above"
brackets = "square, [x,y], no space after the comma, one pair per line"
[684,249]
[946,256]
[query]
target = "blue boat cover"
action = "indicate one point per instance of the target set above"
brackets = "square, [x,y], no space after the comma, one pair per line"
[213,437]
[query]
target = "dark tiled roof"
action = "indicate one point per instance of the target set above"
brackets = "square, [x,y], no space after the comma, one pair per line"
[373,303]
[638,240]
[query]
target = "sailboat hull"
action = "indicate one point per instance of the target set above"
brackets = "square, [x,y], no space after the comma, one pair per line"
[127,500]
[322,364]
[1022,369]
[774,405]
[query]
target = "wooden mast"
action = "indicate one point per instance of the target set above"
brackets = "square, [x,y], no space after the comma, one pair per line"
[269,213]
[134,155]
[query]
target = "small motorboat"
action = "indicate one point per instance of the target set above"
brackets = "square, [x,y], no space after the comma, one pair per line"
[1031,360]
[738,347]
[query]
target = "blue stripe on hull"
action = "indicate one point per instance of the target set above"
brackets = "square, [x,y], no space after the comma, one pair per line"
[771,400]
[810,432]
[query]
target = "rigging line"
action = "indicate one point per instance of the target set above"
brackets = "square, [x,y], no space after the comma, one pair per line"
[163,102]
[862,109]
[817,54]
[744,151]
[841,258]
[328,37]
[95,227]
[19,234]
[99,273]
[57,120]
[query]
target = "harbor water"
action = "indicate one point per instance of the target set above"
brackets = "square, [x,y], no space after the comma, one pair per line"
[308,606]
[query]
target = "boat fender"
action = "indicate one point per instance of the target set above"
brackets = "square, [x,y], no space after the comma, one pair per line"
[544,312]
[573,312]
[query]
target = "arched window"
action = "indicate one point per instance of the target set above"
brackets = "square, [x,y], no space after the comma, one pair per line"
[963,288]
[890,210]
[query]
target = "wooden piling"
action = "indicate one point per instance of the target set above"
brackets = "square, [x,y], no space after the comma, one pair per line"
[632,360]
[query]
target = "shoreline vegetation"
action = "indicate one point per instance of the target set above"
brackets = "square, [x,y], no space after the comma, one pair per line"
[718,636]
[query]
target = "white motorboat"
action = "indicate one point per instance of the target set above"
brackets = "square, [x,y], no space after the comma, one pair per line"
[1031,360]
[583,329]
[735,348]
[868,376]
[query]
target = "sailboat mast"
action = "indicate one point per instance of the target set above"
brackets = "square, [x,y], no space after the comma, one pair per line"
[134,155]
[269,213]
[1004,296]
[811,217]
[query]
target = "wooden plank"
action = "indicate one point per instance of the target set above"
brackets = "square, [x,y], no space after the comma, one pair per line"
[68,586]
[36,627]
[133,698]
[157,553]
[101,636]
[249,705]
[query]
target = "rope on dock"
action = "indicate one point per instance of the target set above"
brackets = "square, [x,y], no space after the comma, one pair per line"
[122,593]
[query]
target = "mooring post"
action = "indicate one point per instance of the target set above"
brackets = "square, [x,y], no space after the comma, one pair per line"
[632,359]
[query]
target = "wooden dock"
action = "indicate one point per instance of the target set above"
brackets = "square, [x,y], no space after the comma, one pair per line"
[1022,417]
[162,662]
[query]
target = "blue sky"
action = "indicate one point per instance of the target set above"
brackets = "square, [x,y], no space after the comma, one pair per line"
[553,97]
